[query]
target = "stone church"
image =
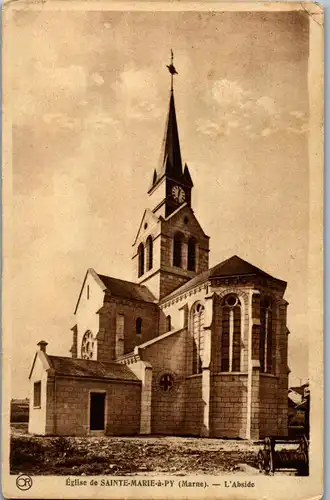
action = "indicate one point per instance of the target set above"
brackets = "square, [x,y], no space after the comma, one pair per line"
[183,349]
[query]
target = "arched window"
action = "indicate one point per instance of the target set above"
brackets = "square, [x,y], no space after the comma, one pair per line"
[177,250]
[191,254]
[198,337]
[141,259]
[266,337]
[231,334]
[138,326]
[149,253]
[168,323]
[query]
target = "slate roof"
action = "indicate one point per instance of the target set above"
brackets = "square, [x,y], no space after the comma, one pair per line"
[171,144]
[232,267]
[91,369]
[235,266]
[127,289]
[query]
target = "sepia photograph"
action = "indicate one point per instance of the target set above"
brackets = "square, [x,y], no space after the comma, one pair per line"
[162,264]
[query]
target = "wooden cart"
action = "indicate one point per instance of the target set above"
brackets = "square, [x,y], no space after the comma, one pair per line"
[271,459]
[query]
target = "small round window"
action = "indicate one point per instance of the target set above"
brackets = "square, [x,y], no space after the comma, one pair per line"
[166,382]
[231,301]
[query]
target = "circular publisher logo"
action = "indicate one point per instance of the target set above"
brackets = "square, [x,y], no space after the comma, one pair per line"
[24,482]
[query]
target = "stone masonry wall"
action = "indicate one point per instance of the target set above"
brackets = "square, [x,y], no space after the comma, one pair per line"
[194,406]
[131,310]
[282,406]
[153,232]
[171,277]
[268,405]
[282,362]
[186,223]
[106,337]
[229,406]
[72,406]
[170,282]
[168,408]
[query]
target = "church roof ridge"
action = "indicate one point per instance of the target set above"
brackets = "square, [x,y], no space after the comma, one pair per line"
[196,280]
[233,266]
[118,288]
[126,289]
[236,266]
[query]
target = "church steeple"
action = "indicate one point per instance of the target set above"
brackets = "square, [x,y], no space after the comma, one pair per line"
[170,167]
[170,158]
[170,247]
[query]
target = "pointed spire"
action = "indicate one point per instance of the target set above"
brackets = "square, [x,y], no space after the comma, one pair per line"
[170,163]
[186,176]
[170,158]
[171,153]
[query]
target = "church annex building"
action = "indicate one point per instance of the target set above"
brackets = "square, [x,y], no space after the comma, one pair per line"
[184,349]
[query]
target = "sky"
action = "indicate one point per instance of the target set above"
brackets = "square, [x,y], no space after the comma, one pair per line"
[90,93]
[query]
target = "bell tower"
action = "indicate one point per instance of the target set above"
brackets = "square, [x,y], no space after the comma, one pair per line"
[170,247]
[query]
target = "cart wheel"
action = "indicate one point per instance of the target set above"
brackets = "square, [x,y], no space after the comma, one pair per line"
[260,461]
[263,461]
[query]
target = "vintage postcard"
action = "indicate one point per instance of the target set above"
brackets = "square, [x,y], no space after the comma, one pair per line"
[162,250]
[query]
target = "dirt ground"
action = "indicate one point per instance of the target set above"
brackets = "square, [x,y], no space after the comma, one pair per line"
[129,455]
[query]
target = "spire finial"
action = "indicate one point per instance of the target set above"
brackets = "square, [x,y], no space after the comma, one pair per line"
[172,69]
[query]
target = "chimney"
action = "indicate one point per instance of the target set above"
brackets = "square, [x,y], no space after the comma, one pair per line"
[42,345]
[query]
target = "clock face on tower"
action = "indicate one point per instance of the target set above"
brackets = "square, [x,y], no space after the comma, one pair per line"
[178,194]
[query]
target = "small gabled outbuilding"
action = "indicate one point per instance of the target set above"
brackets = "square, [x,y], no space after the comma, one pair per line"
[79,396]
